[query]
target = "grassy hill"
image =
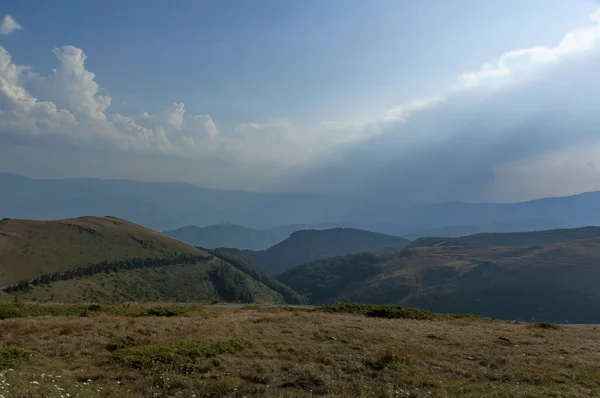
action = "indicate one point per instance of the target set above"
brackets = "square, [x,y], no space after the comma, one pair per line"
[533,238]
[29,248]
[109,259]
[305,246]
[554,282]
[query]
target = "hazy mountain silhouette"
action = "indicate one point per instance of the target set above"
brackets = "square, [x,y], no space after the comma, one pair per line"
[170,205]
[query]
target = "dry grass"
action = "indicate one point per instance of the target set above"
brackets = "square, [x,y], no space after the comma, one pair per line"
[229,352]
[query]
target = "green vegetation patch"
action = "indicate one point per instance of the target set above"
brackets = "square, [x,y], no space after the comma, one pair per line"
[21,310]
[126,342]
[390,311]
[11,356]
[545,325]
[401,312]
[166,311]
[182,356]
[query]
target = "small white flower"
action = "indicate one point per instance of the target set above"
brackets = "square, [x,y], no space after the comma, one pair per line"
[35,383]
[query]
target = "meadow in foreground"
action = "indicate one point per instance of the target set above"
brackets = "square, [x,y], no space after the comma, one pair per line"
[237,352]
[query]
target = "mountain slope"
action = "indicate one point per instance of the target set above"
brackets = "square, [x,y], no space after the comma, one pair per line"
[513,238]
[239,260]
[310,245]
[554,282]
[29,248]
[195,283]
[235,236]
[91,259]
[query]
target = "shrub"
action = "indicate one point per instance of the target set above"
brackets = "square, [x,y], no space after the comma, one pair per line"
[545,325]
[401,312]
[10,356]
[390,311]
[164,311]
[12,310]
[380,311]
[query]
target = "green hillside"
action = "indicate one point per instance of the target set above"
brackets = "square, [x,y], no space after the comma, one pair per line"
[243,263]
[29,248]
[108,259]
[197,283]
[534,238]
[555,282]
[310,245]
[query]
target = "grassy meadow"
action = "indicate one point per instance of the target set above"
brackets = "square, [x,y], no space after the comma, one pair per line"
[337,351]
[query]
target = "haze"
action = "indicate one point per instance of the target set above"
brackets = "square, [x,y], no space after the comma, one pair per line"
[421,100]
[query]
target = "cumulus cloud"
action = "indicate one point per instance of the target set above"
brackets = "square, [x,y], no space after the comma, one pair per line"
[521,61]
[70,105]
[500,132]
[8,25]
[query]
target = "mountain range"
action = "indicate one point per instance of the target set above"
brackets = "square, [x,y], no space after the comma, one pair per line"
[555,282]
[238,237]
[309,245]
[545,275]
[168,206]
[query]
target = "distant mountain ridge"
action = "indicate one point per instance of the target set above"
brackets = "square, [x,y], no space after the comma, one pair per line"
[532,238]
[238,237]
[170,205]
[309,245]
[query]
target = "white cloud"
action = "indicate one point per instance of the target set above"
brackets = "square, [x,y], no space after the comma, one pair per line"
[518,61]
[403,112]
[9,25]
[19,110]
[475,142]
[77,110]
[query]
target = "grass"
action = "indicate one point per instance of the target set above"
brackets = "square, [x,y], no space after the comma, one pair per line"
[179,356]
[10,310]
[30,248]
[272,352]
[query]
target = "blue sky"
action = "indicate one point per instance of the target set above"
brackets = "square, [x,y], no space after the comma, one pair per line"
[274,92]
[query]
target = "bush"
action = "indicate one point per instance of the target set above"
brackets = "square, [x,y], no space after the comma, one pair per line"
[12,310]
[545,325]
[165,311]
[379,311]
[401,312]
[391,311]
[10,356]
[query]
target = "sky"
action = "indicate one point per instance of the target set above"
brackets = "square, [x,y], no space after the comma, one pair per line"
[422,100]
